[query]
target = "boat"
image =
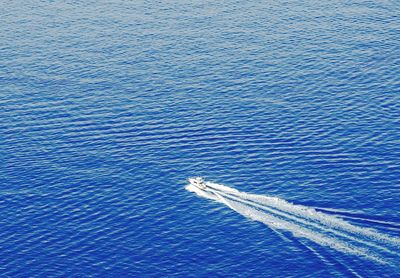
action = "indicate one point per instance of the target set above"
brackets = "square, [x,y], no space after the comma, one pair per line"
[198,182]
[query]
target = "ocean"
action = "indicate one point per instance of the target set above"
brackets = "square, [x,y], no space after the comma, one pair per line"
[290,109]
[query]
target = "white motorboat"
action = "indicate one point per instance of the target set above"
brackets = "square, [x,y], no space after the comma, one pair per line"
[198,182]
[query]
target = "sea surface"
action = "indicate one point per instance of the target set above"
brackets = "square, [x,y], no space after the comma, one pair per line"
[107,107]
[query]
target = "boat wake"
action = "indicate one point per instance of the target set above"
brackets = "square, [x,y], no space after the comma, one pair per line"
[306,222]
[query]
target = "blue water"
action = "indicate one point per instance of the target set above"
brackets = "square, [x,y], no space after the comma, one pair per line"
[107,107]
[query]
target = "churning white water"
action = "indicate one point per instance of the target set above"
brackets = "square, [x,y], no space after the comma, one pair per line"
[306,222]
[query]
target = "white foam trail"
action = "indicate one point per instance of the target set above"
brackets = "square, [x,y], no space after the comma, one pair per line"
[323,218]
[301,221]
[202,193]
[222,187]
[299,231]
[310,223]
[349,215]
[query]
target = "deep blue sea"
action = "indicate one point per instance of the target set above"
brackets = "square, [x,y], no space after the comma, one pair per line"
[108,107]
